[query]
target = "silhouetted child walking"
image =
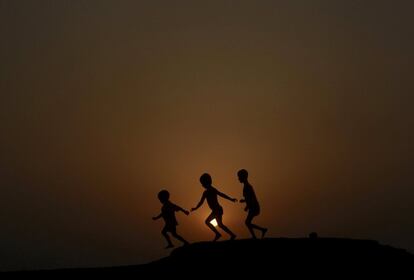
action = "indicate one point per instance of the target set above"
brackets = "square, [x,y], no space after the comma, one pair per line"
[217,211]
[168,214]
[252,205]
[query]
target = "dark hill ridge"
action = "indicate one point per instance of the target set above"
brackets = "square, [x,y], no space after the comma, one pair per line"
[282,253]
[270,256]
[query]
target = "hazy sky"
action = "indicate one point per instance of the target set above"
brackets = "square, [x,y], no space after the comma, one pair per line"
[103,103]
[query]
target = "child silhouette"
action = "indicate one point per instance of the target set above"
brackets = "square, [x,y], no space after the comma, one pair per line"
[217,211]
[168,214]
[252,205]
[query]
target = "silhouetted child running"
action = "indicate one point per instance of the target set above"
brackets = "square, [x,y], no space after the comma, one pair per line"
[168,214]
[252,205]
[217,211]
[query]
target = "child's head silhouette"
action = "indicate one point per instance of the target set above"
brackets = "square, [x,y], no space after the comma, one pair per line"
[163,196]
[206,180]
[243,175]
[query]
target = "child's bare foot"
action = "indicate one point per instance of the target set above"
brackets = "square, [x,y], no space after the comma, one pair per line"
[264,232]
[233,236]
[217,237]
[169,246]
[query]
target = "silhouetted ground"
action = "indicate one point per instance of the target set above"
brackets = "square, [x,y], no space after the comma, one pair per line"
[272,257]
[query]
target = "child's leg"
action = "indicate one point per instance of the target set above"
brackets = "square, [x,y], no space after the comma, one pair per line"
[252,226]
[165,234]
[207,221]
[177,236]
[219,219]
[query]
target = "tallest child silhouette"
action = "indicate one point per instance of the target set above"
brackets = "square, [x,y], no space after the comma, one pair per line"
[252,204]
[211,194]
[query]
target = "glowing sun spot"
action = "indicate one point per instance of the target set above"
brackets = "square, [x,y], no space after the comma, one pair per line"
[213,222]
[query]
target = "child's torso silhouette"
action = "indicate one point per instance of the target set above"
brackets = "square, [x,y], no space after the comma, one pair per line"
[250,197]
[211,195]
[168,213]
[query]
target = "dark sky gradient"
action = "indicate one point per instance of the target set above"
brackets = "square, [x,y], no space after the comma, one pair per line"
[103,103]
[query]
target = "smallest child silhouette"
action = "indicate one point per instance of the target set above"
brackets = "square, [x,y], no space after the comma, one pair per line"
[168,214]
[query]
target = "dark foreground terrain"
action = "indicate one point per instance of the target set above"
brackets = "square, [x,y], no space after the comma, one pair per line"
[272,257]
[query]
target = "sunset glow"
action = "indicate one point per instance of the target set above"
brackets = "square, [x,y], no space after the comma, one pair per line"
[104,103]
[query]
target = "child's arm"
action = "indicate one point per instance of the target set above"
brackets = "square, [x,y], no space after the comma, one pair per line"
[244,200]
[246,196]
[157,217]
[200,203]
[226,196]
[178,208]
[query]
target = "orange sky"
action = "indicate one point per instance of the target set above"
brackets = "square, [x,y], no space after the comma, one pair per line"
[103,104]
